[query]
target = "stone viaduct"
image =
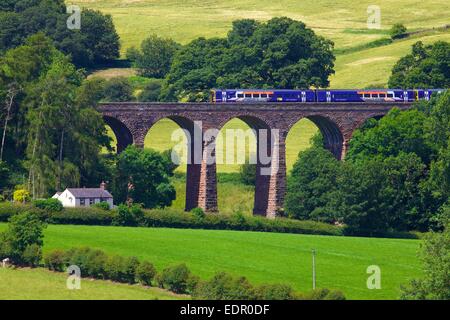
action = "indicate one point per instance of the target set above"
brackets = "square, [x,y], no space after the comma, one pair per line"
[337,122]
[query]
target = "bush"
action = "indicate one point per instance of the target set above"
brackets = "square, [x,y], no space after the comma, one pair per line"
[21,196]
[53,205]
[32,255]
[128,216]
[101,205]
[224,287]
[323,294]
[275,292]
[198,213]
[175,278]
[247,174]
[145,273]
[398,31]
[55,260]
[83,216]
[121,269]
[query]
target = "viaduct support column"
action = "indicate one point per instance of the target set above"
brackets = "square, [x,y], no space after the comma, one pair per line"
[207,195]
[277,184]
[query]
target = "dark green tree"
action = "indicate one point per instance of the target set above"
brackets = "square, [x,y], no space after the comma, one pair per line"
[281,53]
[117,90]
[142,176]
[425,67]
[155,57]
[398,31]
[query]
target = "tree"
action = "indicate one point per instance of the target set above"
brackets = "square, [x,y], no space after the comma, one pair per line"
[312,185]
[280,53]
[425,67]
[151,91]
[143,177]
[398,31]
[22,240]
[96,42]
[436,265]
[118,90]
[155,57]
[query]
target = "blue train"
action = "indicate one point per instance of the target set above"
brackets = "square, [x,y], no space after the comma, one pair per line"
[275,95]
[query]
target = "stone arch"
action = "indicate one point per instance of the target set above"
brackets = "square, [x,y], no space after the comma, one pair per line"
[193,166]
[333,138]
[262,183]
[121,131]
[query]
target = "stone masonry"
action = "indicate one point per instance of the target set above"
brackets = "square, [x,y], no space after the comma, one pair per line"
[337,122]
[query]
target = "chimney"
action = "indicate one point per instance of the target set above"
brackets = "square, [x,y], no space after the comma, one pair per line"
[103,185]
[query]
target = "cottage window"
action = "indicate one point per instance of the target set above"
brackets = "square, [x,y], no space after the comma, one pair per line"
[82,201]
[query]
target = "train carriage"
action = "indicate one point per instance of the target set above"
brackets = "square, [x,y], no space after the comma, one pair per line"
[305,96]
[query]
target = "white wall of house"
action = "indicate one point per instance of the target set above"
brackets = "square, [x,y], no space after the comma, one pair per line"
[68,200]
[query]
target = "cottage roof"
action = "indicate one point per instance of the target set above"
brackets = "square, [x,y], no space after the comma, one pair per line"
[89,193]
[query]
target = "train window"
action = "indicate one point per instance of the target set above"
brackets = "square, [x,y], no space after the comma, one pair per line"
[382,95]
[366,95]
[390,95]
[374,95]
[256,95]
[264,95]
[240,95]
[360,95]
[248,95]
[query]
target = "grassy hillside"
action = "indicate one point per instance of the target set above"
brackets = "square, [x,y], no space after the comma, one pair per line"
[40,284]
[262,257]
[343,21]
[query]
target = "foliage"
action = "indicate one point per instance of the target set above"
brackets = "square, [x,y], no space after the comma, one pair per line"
[175,278]
[247,174]
[275,292]
[55,260]
[435,256]
[323,294]
[155,56]
[312,186]
[21,195]
[223,286]
[117,89]
[96,42]
[102,205]
[281,53]
[142,176]
[128,216]
[198,213]
[23,239]
[151,91]
[398,31]
[52,205]
[425,67]
[145,273]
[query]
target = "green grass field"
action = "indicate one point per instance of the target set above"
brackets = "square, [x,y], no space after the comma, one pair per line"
[262,257]
[41,284]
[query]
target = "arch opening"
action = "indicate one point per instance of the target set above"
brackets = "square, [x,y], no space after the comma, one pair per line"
[333,139]
[119,133]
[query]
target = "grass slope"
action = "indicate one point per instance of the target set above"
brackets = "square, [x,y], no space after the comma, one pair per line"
[41,284]
[262,257]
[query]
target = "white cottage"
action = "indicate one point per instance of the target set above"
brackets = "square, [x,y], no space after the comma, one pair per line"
[84,197]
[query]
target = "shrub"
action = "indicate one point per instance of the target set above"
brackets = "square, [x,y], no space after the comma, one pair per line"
[247,174]
[55,260]
[128,216]
[224,287]
[121,269]
[323,294]
[22,238]
[102,205]
[95,264]
[32,255]
[198,213]
[145,273]
[398,31]
[83,216]
[175,278]
[21,196]
[275,292]
[53,205]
